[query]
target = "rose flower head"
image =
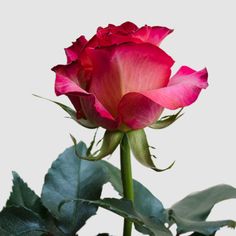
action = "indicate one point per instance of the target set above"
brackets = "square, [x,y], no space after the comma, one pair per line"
[121,79]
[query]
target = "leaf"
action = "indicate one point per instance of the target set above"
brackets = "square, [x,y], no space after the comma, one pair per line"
[20,221]
[72,113]
[4,233]
[124,208]
[71,178]
[140,148]
[204,227]
[190,213]
[110,142]
[23,196]
[166,121]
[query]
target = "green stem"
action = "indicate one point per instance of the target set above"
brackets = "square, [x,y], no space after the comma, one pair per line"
[127,180]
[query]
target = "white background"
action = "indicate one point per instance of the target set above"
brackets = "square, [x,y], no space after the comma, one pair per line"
[33,132]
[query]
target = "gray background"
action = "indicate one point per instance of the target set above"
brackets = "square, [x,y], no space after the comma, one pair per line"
[33,132]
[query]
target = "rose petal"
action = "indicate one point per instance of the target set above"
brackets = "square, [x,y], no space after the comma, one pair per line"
[97,114]
[67,79]
[87,103]
[75,100]
[73,52]
[183,89]
[112,34]
[153,35]
[137,111]
[127,68]
[129,32]
[125,28]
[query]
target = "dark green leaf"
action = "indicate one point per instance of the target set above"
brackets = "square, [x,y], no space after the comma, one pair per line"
[22,195]
[71,112]
[140,148]
[153,226]
[166,120]
[190,213]
[4,233]
[20,221]
[71,178]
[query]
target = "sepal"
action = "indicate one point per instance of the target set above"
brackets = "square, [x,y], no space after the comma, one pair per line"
[165,121]
[72,114]
[140,148]
[110,141]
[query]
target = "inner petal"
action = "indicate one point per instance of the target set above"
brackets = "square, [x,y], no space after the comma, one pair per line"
[126,68]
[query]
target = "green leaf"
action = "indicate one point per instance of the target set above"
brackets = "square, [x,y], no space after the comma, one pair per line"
[4,233]
[140,148]
[72,113]
[110,142]
[23,196]
[166,121]
[190,213]
[20,221]
[204,227]
[71,178]
[152,225]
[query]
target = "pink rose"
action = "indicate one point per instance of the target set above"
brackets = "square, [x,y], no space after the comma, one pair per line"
[120,78]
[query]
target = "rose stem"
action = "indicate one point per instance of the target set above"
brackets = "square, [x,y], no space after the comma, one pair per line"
[127,180]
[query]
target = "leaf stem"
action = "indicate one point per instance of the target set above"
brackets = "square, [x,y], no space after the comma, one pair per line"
[127,180]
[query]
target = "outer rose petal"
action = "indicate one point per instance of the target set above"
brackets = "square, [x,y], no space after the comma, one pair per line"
[153,35]
[127,68]
[137,111]
[73,52]
[183,89]
[67,78]
[91,107]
